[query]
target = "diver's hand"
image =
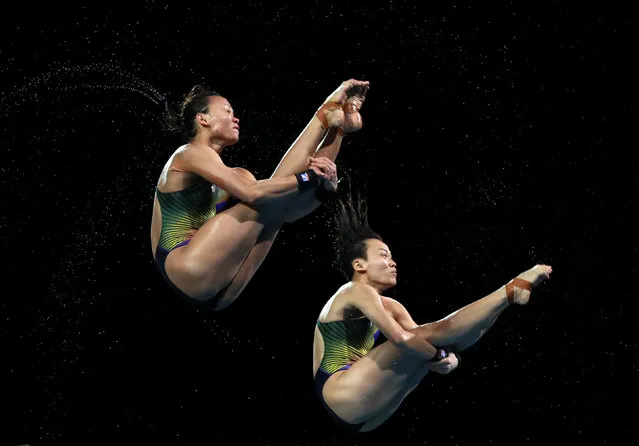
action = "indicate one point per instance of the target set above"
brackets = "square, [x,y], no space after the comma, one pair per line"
[329,170]
[446,365]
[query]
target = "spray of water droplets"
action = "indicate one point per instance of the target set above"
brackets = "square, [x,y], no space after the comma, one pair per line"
[63,80]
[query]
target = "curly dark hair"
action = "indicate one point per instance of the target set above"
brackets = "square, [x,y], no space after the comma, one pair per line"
[183,121]
[351,232]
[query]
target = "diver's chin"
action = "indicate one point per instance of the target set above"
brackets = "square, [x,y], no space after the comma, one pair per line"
[388,285]
[232,141]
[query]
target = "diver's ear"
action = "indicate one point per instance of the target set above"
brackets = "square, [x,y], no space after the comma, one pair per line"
[202,119]
[359,265]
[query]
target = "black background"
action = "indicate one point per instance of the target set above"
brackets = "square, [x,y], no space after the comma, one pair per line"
[494,138]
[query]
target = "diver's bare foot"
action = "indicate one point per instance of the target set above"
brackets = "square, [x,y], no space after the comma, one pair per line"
[331,115]
[346,100]
[356,96]
[346,89]
[518,290]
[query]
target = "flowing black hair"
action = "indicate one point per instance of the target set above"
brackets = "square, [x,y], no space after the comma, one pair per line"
[183,121]
[351,232]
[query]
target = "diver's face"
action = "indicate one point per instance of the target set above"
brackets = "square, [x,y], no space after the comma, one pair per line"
[221,119]
[380,267]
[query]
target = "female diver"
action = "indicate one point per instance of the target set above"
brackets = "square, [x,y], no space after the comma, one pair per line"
[361,386]
[213,225]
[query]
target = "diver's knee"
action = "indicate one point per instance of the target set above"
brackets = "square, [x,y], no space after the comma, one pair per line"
[245,173]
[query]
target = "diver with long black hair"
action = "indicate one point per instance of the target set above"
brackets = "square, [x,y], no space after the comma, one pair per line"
[361,385]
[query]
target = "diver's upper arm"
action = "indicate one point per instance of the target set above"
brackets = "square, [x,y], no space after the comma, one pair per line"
[209,165]
[400,313]
[366,299]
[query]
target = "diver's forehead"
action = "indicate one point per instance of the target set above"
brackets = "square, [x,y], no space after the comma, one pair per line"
[219,101]
[378,245]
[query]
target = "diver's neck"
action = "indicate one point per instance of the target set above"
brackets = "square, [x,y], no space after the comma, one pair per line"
[205,140]
[364,279]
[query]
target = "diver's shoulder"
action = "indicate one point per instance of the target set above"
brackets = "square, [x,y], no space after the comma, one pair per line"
[357,291]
